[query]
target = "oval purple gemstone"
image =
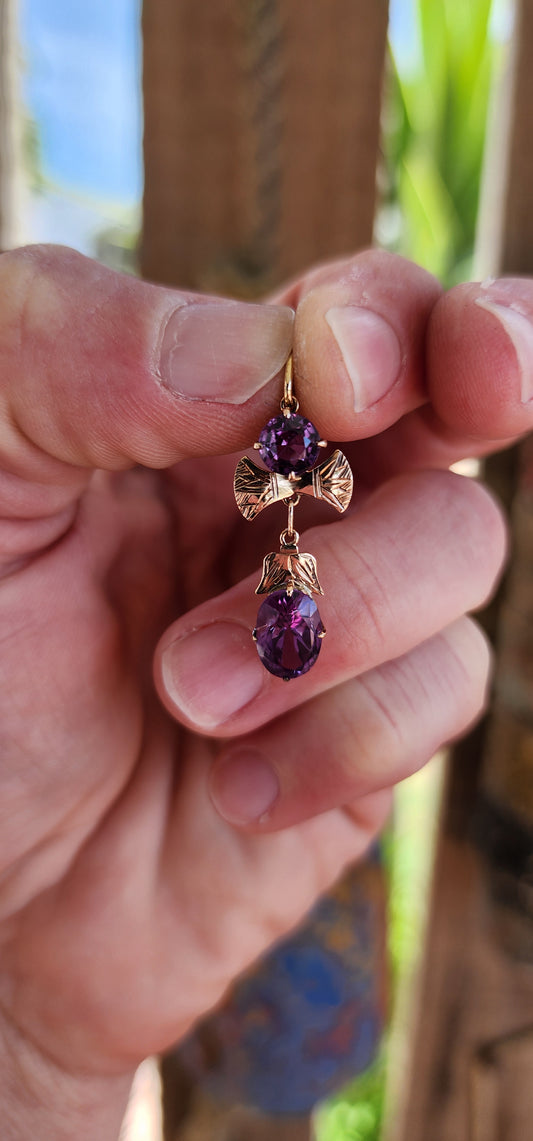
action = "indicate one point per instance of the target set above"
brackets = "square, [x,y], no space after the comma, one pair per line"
[289,444]
[288,633]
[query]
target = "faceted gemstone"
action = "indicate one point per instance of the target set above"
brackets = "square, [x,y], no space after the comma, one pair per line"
[289,444]
[288,633]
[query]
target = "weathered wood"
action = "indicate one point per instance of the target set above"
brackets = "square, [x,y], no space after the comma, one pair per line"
[474,1042]
[506,218]
[476,992]
[207,1119]
[261,137]
[10,183]
[261,146]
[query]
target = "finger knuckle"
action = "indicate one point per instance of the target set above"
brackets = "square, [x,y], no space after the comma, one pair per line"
[460,512]
[364,607]
[468,666]
[33,283]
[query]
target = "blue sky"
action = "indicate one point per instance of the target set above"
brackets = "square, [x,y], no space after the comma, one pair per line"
[82,87]
[81,83]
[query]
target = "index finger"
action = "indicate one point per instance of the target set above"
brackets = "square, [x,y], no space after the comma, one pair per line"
[420,379]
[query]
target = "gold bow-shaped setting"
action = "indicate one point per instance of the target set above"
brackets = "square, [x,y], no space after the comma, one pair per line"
[256,488]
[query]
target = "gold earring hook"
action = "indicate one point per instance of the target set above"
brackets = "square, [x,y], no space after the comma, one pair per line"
[289,403]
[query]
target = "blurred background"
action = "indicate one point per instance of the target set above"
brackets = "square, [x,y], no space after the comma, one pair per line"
[80,85]
[79,181]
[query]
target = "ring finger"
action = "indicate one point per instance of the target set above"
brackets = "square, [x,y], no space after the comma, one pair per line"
[357,739]
[421,551]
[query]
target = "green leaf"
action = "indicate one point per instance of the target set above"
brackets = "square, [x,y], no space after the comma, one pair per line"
[436,119]
[433,33]
[429,213]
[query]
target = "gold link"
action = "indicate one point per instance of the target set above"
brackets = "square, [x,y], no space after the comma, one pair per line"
[290,519]
[289,539]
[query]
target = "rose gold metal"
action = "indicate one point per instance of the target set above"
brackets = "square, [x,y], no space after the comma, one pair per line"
[290,514]
[289,540]
[256,488]
[291,569]
[288,402]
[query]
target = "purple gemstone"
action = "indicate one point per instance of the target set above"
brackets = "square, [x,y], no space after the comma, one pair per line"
[289,444]
[288,633]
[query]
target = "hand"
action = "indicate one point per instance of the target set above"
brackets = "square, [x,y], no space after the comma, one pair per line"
[127,902]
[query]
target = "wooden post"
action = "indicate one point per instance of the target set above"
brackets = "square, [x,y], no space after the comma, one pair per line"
[261,137]
[6,121]
[470,1077]
[261,144]
[10,147]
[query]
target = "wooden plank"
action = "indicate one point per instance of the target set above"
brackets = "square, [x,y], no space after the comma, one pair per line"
[261,146]
[261,137]
[474,1044]
[506,220]
[207,1119]
[476,992]
[10,146]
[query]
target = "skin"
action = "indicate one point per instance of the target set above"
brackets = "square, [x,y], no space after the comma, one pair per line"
[130,893]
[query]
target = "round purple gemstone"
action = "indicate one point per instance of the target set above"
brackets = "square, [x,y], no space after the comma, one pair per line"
[289,444]
[288,633]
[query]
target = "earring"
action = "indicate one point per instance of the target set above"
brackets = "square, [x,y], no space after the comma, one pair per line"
[289,630]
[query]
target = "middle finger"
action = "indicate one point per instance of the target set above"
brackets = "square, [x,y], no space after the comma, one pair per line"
[359,738]
[421,551]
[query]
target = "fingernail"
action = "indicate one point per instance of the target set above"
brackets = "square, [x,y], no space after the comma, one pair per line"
[519,329]
[370,349]
[224,351]
[212,673]
[243,787]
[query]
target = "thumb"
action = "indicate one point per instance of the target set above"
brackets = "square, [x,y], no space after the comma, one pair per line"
[99,369]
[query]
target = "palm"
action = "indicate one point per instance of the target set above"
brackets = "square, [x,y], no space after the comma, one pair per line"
[119,869]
